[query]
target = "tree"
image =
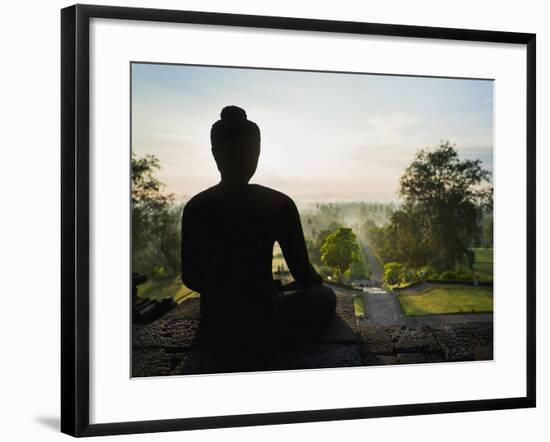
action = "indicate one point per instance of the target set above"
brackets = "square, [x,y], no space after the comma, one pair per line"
[340,250]
[359,269]
[314,246]
[488,230]
[444,197]
[169,243]
[152,212]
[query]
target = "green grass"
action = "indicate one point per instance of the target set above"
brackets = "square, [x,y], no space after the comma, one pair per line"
[158,289]
[448,299]
[359,306]
[484,263]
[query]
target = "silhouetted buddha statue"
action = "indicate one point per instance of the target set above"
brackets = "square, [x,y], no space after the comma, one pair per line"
[228,234]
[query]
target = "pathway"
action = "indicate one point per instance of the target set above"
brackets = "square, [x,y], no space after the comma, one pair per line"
[382,307]
[377,271]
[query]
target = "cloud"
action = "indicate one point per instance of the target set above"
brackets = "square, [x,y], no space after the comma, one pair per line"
[174,136]
[393,121]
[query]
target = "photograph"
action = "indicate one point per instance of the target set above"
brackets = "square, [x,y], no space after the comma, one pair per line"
[298,220]
[275,221]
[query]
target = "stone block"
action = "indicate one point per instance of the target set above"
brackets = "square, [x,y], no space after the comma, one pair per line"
[425,343]
[376,340]
[411,358]
[166,333]
[484,353]
[374,359]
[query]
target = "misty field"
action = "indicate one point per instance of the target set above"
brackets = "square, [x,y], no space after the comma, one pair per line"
[278,259]
[159,289]
[448,299]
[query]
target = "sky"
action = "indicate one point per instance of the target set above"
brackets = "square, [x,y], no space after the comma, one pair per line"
[325,136]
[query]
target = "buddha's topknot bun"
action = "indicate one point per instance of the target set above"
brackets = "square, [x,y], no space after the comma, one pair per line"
[233,113]
[234,129]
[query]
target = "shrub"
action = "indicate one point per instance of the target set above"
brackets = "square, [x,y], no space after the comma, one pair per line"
[426,272]
[393,273]
[464,274]
[408,275]
[448,274]
[158,272]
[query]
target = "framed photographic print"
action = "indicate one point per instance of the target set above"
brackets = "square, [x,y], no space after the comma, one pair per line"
[273,220]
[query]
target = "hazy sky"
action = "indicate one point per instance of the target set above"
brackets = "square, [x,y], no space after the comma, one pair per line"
[325,136]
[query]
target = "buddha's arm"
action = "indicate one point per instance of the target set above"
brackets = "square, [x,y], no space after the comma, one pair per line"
[293,244]
[192,273]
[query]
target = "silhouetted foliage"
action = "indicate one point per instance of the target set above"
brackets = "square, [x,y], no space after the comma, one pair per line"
[155,221]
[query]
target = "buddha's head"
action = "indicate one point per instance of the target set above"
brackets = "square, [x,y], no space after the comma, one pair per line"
[235,145]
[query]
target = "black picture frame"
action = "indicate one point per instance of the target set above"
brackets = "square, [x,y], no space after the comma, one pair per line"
[75,225]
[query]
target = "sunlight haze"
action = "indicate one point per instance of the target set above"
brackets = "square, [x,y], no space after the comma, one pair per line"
[325,136]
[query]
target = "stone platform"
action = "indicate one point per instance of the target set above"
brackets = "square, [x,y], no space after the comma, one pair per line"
[172,345]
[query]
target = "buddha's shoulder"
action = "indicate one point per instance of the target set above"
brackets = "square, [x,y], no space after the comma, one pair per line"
[270,194]
[202,199]
[260,196]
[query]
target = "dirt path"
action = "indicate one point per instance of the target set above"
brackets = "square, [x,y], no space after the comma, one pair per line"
[377,271]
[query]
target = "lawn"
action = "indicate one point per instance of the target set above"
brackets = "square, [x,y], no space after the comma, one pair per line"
[278,258]
[170,287]
[359,306]
[448,299]
[484,263]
